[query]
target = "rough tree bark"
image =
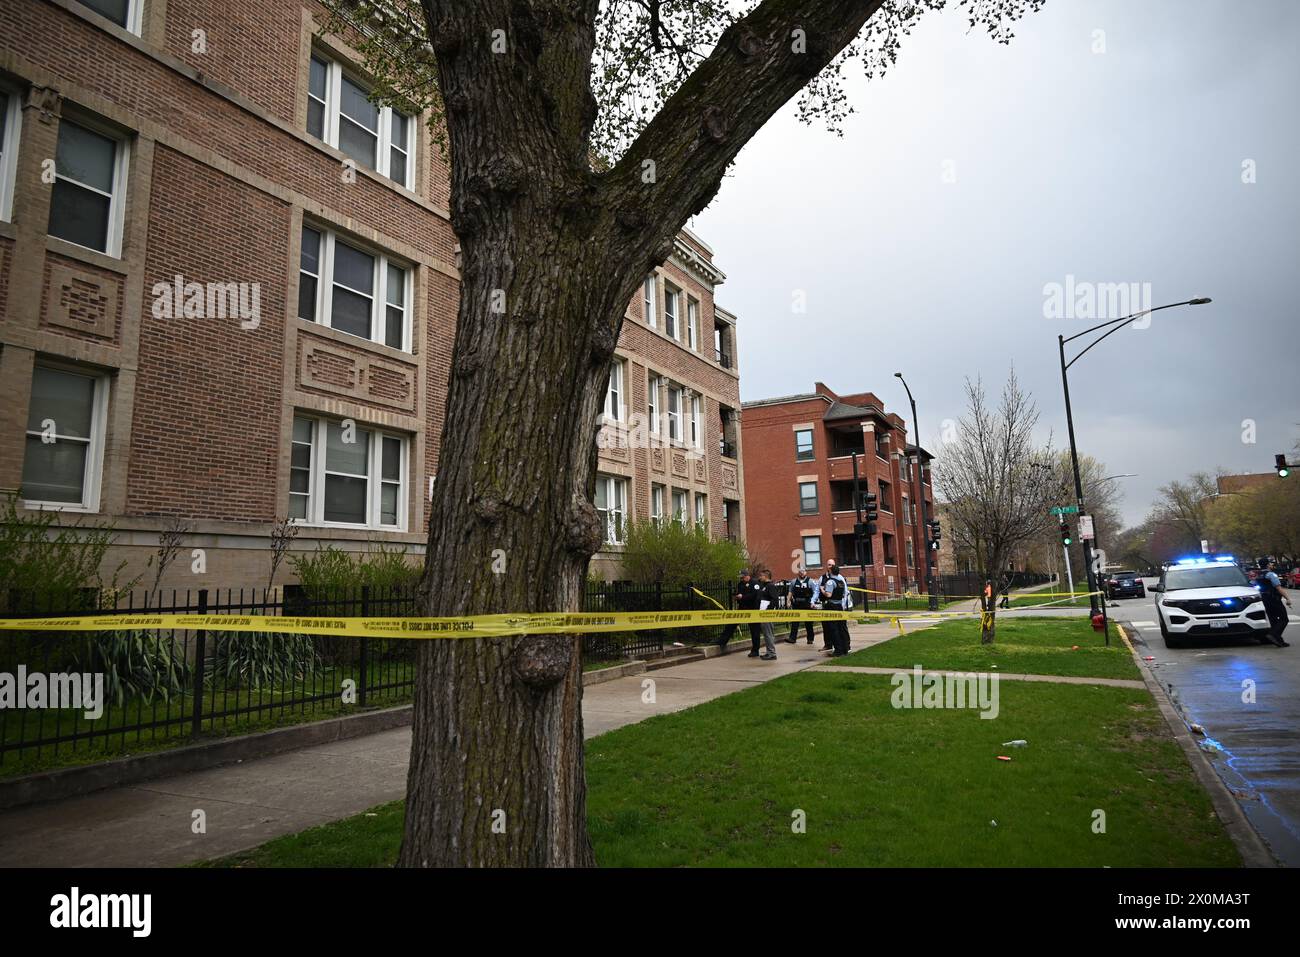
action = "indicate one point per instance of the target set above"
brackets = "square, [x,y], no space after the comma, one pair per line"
[551,254]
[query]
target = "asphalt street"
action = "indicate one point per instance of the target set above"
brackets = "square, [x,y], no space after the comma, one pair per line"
[1244,695]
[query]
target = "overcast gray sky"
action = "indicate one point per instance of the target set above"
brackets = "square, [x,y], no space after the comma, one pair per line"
[974,174]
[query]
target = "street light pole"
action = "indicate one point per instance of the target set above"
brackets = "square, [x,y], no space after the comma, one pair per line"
[921,520]
[1116,325]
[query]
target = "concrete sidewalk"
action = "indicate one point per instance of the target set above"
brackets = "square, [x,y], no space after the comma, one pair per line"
[150,824]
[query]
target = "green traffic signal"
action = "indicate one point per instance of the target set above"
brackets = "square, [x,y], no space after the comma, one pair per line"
[1283,470]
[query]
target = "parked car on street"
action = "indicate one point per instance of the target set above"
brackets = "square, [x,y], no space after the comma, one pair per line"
[1125,584]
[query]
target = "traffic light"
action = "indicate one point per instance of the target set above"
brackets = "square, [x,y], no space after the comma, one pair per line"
[870,511]
[1283,470]
[1066,538]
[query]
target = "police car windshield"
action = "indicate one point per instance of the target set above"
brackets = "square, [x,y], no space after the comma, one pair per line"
[1203,576]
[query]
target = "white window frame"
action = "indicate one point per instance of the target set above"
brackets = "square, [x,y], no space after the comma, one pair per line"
[697,422]
[9,151]
[672,297]
[657,503]
[378,299]
[653,383]
[614,392]
[374,476]
[92,480]
[334,74]
[692,323]
[807,552]
[134,16]
[649,293]
[674,416]
[117,199]
[680,514]
[701,509]
[616,488]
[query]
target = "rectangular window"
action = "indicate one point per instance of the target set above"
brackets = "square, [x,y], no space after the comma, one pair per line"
[614,392]
[10,123]
[697,422]
[692,324]
[679,505]
[657,503]
[611,505]
[807,498]
[701,509]
[886,500]
[674,413]
[125,13]
[341,111]
[803,445]
[887,541]
[648,302]
[670,311]
[86,202]
[342,474]
[652,402]
[353,290]
[812,551]
[65,439]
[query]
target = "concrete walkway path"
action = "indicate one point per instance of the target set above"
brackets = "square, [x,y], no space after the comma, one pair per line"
[152,824]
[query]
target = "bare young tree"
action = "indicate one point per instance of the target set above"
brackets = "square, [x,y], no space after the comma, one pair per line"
[1186,507]
[169,544]
[582,135]
[997,484]
[283,532]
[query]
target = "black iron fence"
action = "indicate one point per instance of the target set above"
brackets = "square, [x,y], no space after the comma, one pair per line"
[633,597]
[160,686]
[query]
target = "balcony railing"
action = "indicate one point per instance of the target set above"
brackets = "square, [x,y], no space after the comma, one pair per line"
[723,358]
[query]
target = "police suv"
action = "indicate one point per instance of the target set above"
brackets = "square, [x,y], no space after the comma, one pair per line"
[1208,598]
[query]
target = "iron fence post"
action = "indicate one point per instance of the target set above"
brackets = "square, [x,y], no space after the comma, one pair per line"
[364,657]
[200,656]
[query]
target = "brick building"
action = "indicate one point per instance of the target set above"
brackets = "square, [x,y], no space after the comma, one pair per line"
[799,485]
[228,291]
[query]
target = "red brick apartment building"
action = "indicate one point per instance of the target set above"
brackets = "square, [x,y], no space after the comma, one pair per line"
[799,485]
[228,290]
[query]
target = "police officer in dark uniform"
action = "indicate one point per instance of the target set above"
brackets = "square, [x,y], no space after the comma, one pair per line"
[746,595]
[801,592]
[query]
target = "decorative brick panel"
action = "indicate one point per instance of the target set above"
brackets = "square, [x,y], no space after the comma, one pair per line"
[81,300]
[337,369]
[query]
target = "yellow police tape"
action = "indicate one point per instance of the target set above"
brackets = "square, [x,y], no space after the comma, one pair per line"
[473,626]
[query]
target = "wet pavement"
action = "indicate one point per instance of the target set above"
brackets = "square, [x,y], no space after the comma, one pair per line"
[1252,740]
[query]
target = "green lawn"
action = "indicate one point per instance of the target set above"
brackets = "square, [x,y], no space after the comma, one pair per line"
[1039,646]
[719,785]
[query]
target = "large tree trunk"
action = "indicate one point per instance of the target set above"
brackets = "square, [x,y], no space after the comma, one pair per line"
[551,254]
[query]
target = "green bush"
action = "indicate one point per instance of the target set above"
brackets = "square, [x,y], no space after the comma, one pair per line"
[677,554]
[329,572]
[51,565]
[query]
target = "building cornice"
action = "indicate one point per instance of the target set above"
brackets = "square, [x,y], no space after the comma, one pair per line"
[687,259]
